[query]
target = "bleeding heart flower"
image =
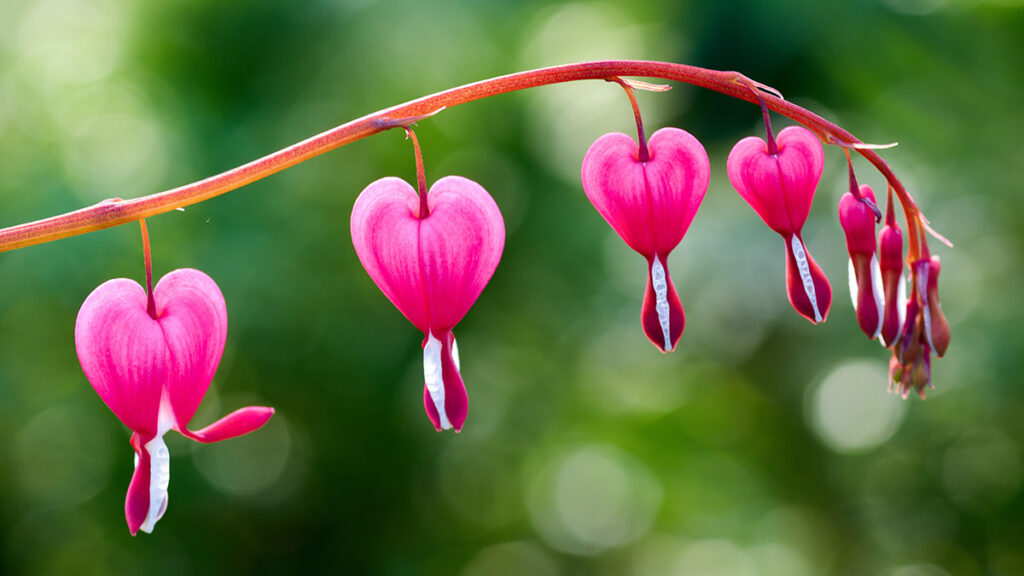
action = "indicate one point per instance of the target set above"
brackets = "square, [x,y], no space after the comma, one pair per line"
[650,205]
[780,188]
[935,325]
[432,267]
[894,283]
[925,330]
[152,370]
[858,222]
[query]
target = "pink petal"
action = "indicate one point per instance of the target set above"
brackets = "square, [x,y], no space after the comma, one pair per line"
[432,269]
[893,282]
[858,222]
[193,316]
[123,353]
[385,234]
[662,315]
[136,504]
[460,246]
[780,187]
[238,423]
[868,298]
[451,397]
[649,204]
[806,285]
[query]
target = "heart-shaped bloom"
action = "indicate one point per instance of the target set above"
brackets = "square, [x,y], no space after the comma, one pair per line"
[858,222]
[432,269]
[153,371]
[650,205]
[780,188]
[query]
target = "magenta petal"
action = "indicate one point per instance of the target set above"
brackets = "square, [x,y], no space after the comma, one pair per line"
[238,423]
[460,246]
[444,386]
[194,319]
[649,204]
[433,269]
[806,285]
[122,352]
[136,504]
[662,314]
[385,233]
[780,187]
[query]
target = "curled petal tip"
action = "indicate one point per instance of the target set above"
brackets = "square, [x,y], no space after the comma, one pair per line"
[235,424]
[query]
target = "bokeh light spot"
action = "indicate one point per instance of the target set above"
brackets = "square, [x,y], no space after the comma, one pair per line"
[63,455]
[850,409]
[250,465]
[593,498]
[512,559]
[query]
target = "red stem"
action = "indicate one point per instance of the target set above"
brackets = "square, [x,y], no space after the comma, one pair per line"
[108,214]
[421,175]
[148,258]
[644,155]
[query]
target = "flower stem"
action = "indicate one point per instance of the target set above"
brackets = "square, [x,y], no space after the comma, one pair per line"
[421,176]
[644,155]
[147,256]
[108,214]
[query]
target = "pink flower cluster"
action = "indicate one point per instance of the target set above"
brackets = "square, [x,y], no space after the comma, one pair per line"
[151,354]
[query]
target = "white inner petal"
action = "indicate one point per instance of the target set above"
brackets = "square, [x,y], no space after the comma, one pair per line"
[661,298]
[432,374]
[805,275]
[854,289]
[879,293]
[922,292]
[159,473]
[455,354]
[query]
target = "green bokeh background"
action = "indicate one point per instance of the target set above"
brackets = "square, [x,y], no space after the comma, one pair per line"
[763,446]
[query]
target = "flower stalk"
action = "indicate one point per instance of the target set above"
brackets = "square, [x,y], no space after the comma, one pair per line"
[108,214]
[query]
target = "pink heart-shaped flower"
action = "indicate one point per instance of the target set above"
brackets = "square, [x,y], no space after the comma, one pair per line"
[432,269]
[153,372]
[650,205]
[780,188]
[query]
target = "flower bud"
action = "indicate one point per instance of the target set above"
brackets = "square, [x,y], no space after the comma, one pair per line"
[894,285]
[858,222]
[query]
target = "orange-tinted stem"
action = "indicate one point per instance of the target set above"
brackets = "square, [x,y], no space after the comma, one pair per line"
[421,175]
[147,256]
[734,84]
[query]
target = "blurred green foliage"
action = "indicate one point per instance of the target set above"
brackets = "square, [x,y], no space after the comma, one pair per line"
[763,446]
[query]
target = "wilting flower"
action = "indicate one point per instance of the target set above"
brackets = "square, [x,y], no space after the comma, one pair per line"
[432,267]
[858,222]
[152,370]
[894,283]
[780,188]
[650,205]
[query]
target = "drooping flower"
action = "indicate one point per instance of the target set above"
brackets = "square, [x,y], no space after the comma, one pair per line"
[432,267]
[779,185]
[650,205]
[911,369]
[151,360]
[894,283]
[935,325]
[858,222]
[925,330]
